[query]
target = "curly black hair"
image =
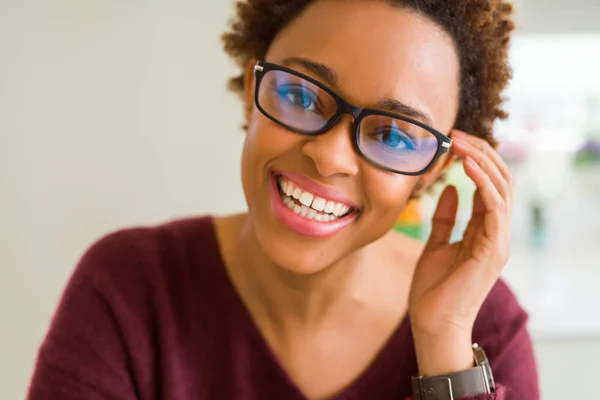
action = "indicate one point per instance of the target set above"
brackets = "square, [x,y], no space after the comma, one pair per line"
[480,28]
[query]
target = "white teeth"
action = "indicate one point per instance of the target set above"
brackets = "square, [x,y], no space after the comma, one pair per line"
[329,207]
[318,204]
[304,211]
[311,207]
[289,189]
[337,209]
[297,193]
[306,199]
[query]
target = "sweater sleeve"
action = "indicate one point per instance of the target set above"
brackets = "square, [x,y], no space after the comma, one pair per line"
[84,354]
[501,329]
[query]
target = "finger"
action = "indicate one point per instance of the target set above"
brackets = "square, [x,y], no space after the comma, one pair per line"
[491,198]
[477,217]
[489,219]
[465,149]
[485,147]
[488,235]
[493,154]
[444,218]
[478,206]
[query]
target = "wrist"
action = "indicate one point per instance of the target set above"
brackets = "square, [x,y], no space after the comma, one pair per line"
[443,354]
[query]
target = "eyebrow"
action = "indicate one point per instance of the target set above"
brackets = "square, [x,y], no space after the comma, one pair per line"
[323,71]
[397,107]
[331,77]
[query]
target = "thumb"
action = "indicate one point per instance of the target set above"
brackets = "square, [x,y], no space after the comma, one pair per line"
[443,219]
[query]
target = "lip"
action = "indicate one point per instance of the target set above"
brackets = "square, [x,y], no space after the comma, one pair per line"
[316,189]
[301,225]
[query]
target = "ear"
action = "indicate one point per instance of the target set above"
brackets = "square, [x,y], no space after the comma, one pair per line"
[434,173]
[249,83]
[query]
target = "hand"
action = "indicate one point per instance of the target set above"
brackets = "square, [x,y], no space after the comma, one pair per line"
[452,280]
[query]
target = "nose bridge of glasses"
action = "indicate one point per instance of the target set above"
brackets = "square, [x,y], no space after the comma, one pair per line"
[347,108]
[344,108]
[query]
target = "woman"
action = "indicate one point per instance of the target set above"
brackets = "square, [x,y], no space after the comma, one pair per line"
[350,106]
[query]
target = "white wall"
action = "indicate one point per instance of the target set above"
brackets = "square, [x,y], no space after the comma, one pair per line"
[558,16]
[113,113]
[567,368]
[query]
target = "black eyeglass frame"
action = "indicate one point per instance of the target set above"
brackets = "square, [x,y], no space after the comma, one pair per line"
[344,107]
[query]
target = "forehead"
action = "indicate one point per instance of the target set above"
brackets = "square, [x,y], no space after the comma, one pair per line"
[377,51]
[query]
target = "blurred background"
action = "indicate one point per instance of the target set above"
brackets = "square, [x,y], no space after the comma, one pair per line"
[114,114]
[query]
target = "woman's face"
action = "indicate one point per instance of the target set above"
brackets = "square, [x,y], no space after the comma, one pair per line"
[375,52]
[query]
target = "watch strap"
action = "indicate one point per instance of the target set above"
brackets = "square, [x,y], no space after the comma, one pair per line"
[471,382]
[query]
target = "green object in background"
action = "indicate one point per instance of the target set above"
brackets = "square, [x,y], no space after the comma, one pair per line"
[413,231]
[586,158]
[420,229]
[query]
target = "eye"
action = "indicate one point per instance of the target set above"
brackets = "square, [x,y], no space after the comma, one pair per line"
[394,139]
[298,96]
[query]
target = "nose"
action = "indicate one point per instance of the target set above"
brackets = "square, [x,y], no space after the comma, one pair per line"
[333,151]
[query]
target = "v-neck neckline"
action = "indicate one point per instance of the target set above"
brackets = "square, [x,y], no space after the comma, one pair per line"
[369,378]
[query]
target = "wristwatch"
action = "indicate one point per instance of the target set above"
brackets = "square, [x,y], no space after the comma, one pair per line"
[472,382]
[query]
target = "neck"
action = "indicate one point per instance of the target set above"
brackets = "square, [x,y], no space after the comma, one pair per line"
[295,301]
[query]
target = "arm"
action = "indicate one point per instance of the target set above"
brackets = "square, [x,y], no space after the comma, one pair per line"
[455,286]
[501,329]
[84,354]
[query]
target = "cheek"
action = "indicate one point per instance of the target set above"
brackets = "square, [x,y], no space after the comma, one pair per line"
[388,193]
[266,140]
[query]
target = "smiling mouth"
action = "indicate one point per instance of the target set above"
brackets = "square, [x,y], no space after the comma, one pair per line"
[308,205]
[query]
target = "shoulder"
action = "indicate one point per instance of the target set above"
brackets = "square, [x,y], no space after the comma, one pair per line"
[123,310]
[144,257]
[147,240]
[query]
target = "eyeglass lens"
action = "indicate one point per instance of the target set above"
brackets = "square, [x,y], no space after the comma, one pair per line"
[388,142]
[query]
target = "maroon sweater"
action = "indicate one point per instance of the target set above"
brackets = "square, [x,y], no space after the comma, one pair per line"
[150,313]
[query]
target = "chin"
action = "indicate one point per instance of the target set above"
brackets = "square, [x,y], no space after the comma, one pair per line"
[293,252]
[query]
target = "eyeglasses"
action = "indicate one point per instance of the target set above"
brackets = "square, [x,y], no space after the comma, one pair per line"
[303,105]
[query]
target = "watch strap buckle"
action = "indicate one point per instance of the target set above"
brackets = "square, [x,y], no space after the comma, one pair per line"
[436,388]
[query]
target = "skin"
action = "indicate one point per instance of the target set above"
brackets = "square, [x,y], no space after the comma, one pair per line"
[315,298]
